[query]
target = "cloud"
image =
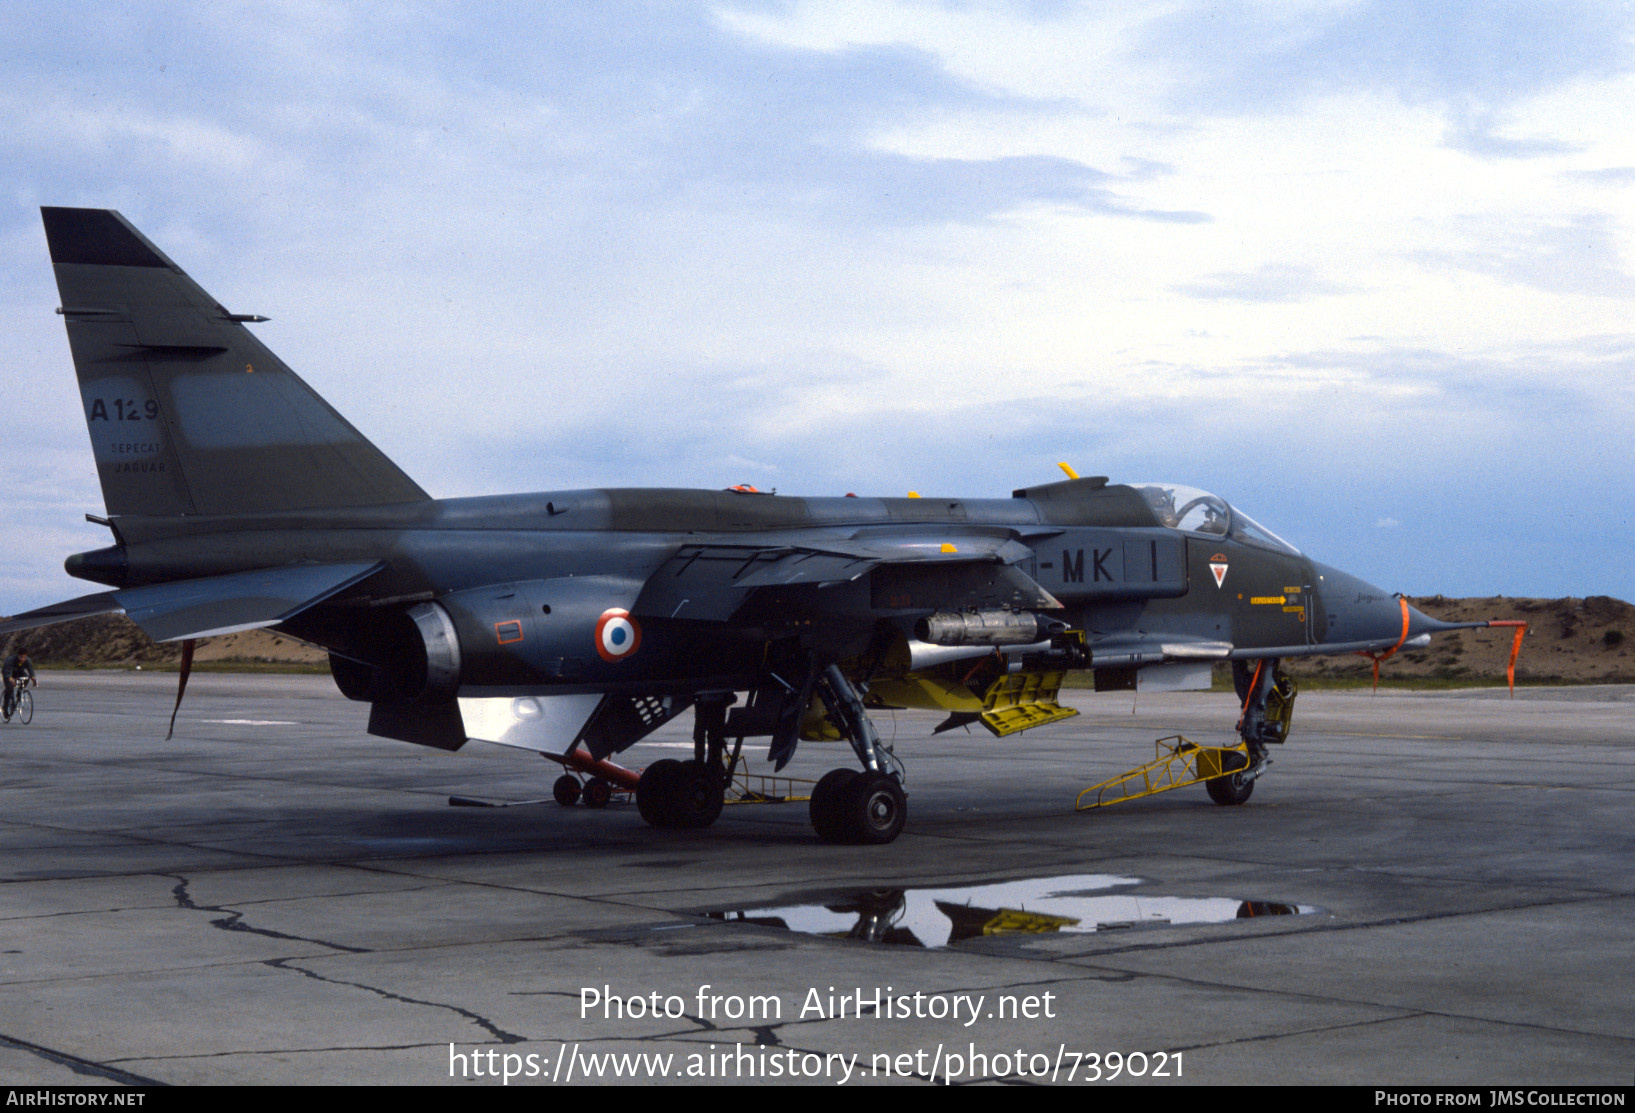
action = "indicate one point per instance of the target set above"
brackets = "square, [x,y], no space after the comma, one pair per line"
[1608,175]
[1244,56]
[636,105]
[1575,256]
[1272,282]
[1475,131]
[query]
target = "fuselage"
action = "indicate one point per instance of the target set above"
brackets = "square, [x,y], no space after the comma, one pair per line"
[526,577]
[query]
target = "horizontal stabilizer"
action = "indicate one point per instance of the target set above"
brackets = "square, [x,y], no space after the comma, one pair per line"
[242,601]
[103,602]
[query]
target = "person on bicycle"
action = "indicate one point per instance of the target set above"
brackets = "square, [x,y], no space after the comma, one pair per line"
[16,671]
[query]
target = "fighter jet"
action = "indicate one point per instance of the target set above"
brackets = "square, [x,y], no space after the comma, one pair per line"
[580,621]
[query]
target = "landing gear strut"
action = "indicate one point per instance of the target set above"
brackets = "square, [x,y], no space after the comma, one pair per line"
[869,807]
[1268,708]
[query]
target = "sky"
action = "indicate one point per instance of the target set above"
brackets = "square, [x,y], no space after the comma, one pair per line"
[1363,268]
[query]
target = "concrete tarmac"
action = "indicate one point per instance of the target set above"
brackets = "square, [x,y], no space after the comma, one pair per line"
[274,897]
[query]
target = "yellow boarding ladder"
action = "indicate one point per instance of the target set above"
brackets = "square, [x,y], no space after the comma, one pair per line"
[1180,762]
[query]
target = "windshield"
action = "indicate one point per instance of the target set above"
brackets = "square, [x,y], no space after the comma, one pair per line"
[1188,508]
[1249,531]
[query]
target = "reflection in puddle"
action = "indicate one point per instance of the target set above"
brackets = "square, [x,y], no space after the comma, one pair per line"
[939,917]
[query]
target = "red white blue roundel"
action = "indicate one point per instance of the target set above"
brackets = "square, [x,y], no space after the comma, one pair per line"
[617,635]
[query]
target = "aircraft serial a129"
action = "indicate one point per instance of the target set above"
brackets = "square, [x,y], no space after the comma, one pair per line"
[576,622]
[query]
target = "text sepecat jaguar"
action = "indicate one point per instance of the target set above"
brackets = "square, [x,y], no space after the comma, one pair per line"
[582,620]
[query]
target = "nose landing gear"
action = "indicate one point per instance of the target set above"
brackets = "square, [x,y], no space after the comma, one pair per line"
[1268,709]
[1228,773]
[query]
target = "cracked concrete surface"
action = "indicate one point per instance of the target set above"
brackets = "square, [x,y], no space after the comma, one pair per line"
[297,903]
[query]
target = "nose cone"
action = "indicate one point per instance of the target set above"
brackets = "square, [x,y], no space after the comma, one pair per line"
[1360,612]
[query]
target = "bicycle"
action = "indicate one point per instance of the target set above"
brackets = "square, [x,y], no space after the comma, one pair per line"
[22,702]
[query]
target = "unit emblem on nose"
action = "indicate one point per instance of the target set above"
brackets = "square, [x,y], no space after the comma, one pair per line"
[1217,565]
[617,635]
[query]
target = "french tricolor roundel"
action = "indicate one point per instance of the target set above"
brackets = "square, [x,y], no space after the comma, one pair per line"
[617,635]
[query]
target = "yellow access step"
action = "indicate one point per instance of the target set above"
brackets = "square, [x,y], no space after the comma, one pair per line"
[1019,701]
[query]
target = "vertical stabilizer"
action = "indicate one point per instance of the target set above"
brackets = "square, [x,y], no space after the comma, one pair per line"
[188,412]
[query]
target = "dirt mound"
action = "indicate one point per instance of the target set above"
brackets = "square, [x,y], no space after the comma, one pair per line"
[112,641]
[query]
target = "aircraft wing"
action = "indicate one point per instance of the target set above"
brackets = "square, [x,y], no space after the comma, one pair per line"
[941,568]
[212,605]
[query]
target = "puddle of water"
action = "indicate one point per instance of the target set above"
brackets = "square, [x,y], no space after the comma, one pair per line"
[941,917]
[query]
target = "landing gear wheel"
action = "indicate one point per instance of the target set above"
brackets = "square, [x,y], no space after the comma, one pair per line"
[597,793]
[1232,788]
[656,792]
[700,794]
[566,790]
[825,805]
[873,808]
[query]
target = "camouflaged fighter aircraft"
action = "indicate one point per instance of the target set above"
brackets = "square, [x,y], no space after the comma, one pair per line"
[239,499]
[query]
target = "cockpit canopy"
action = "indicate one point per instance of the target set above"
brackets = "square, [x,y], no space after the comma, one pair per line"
[1195,511]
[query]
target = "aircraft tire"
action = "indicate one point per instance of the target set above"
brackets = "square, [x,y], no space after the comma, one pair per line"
[1232,788]
[566,790]
[656,792]
[872,809]
[597,793]
[699,794]
[824,808]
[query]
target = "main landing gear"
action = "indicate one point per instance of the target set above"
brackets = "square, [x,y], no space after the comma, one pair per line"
[681,793]
[691,794]
[865,807]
